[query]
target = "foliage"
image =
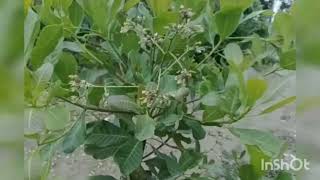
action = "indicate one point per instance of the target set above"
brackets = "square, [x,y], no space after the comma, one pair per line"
[152,67]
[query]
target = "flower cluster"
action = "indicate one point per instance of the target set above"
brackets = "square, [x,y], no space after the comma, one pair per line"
[186,13]
[183,77]
[187,28]
[147,39]
[152,99]
[76,83]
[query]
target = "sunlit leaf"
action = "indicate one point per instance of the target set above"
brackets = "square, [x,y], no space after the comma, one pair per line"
[56,118]
[233,53]
[278,105]
[266,142]
[255,90]
[47,41]
[227,22]
[145,127]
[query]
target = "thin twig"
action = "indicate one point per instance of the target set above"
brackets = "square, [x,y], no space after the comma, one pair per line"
[194,100]
[169,145]
[210,54]
[94,108]
[156,149]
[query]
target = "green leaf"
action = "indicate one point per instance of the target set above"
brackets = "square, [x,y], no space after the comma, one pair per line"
[285,176]
[227,22]
[62,4]
[256,157]
[129,156]
[43,74]
[130,3]
[288,59]
[253,14]
[255,90]
[123,103]
[266,142]
[168,84]
[97,10]
[211,114]
[76,136]
[66,66]
[164,19]
[284,26]
[104,133]
[246,172]
[197,130]
[233,53]
[102,178]
[95,95]
[231,100]
[235,4]
[111,52]
[279,105]
[211,99]
[189,159]
[56,118]
[170,119]
[47,41]
[145,127]
[31,30]
[159,7]
[102,12]
[76,13]
[101,152]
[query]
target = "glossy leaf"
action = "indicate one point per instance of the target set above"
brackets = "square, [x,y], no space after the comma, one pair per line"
[76,13]
[211,114]
[105,133]
[101,152]
[235,4]
[129,156]
[47,41]
[256,157]
[31,30]
[76,136]
[255,90]
[233,53]
[56,118]
[66,66]
[145,127]
[189,159]
[227,22]
[246,172]
[283,25]
[278,105]
[123,103]
[266,142]
[159,7]
[197,130]
[288,59]
[130,3]
[102,178]
[95,96]
[211,99]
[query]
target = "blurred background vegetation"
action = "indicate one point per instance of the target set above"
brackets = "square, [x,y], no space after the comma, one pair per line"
[11,89]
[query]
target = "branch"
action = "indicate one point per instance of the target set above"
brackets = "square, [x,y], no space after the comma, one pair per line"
[194,100]
[156,149]
[169,145]
[94,108]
